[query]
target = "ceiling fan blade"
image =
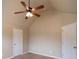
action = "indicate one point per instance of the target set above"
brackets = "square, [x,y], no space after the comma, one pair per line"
[39,7]
[23,3]
[19,12]
[35,14]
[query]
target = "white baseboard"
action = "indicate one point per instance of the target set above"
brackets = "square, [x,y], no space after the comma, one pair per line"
[37,54]
[44,55]
[10,57]
[16,55]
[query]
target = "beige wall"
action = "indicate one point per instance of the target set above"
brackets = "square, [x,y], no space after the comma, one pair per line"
[6,42]
[46,28]
[10,21]
[45,33]
[25,40]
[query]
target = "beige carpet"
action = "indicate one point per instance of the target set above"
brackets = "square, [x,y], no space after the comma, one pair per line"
[31,56]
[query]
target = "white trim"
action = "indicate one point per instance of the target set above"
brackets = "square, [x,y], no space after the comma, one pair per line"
[16,55]
[10,57]
[44,54]
[68,25]
[35,53]
[17,31]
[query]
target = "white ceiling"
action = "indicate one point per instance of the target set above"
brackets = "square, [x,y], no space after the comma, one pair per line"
[65,5]
[10,6]
[60,5]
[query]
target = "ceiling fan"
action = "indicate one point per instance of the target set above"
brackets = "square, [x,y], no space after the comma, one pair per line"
[29,10]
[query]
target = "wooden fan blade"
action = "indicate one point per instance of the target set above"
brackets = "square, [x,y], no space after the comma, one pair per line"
[23,3]
[39,7]
[35,14]
[19,12]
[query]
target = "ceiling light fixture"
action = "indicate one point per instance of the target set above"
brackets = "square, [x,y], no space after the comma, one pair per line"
[29,14]
[29,10]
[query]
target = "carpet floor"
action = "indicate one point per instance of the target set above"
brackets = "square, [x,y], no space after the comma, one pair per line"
[31,56]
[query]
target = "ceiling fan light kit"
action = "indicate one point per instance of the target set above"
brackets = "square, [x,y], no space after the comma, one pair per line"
[29,14]
[30,11]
